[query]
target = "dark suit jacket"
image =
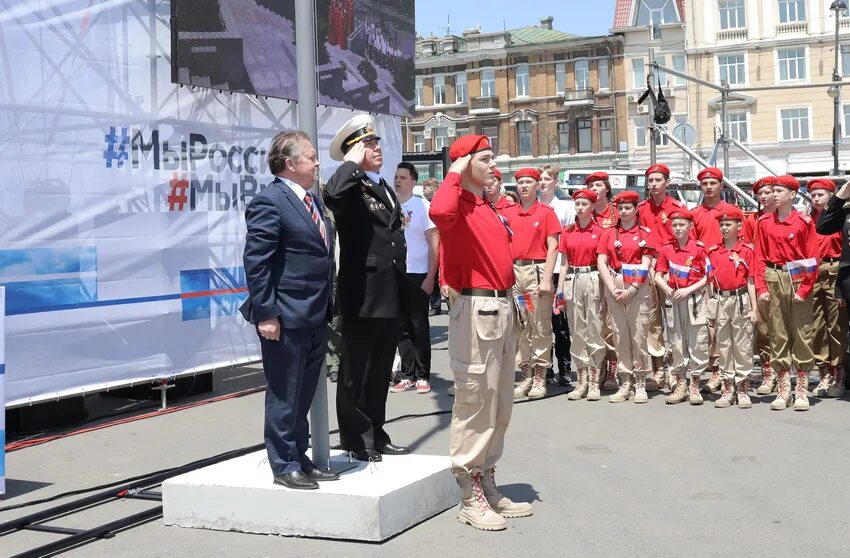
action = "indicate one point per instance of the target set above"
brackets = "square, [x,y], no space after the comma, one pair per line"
[288,267]
[833,219]
[373,254]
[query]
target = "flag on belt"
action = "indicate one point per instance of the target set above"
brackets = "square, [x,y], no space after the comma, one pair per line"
[525,301]
[559,304]
[800,270]
[679,271]
[635,274]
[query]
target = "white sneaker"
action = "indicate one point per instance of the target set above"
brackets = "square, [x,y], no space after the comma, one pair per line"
[423,386]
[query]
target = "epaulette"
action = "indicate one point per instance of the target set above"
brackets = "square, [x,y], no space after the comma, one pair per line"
[749,245]
[764,216]
[806,218]
[713,248]
[570,228]
[645,229]
[677,203]
[643,202]
[699,243]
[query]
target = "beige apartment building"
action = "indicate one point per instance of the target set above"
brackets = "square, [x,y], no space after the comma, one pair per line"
[754,43]
[541,95]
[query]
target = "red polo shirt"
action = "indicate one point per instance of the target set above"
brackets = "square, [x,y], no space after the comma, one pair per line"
[750,228]
[608,217]
[476,244]
[829,245]
[706,227]
[531,228]
[503,203]
[780,242]
[685,265]
[635,243]
[579,244]
[656,217]
[731,268]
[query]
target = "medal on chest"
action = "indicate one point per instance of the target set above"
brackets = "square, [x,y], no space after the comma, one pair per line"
[663,216]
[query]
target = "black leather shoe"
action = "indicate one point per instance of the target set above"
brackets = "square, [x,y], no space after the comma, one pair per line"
[365,455]
[320,475]
[563,379]
[298,480]
[392,449]
[435,311]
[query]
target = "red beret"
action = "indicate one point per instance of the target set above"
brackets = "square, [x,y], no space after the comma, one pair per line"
[585,194]
[821,184]
[787,181]
[663,169]
[681,213]
[629,196]
[710,172]
[762,182]
[497,173]
[601,175]
[467,145]
[529,172]
[731,214]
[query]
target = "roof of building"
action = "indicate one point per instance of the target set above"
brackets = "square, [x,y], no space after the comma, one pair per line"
[623,10]
[536,35]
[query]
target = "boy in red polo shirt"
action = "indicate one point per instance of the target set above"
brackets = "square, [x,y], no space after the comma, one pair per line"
[534,248]
[680,274]
[731,280]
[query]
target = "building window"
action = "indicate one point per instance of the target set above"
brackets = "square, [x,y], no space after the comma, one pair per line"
[492,132]
[792,11]
[660,139]
[680,64]
[523,138]
[846,121]
[582,69]
[606,134]
[460,88]
[439,90]
[738,126]
[560,77]
[602,74]
[733,69]
[640,131]
[418,142]
[662,75]
[522,80]
[441,138]
[655,12]
[732,14]
[564,137]
[795,124]
[638,73]
[792,64]
[488,82]
[420,90]
[585,135]
[845,59]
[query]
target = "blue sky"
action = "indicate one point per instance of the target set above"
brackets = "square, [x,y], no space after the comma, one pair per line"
[572,16]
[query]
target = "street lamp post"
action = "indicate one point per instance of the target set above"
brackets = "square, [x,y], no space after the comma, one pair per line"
[834,90]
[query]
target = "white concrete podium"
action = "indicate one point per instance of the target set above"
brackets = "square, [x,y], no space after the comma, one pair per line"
[370,502]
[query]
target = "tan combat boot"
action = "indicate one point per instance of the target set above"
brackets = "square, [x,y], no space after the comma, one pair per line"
[625,391]
[501,504]
[538,384]
[640,387]
[826,379]
[474,508]
[694,398]
[714,382]
[680,390]
[837,388]
[525,381]
[582,388]
[743,389]
[801,394]
[611,376]
[768,380]
[783,388]
[727,394]
[593,393]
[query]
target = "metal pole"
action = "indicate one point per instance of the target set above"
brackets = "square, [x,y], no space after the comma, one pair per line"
[836,102]
[724,130]
[786,87]
[684,76]
[305,64]
[753,156]
[652,129]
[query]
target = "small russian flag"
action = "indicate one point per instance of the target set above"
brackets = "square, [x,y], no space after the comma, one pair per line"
[709,269]
[635,274]
[525,301]
[799,270]
[681,272]
[559,304]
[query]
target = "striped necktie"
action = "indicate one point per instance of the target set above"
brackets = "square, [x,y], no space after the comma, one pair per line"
[314,213]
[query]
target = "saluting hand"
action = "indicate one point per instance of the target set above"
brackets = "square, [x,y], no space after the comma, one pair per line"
[459,165]
[844,191]
[357,154]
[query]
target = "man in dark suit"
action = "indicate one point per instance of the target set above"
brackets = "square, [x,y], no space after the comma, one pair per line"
[288,265]
[372,287]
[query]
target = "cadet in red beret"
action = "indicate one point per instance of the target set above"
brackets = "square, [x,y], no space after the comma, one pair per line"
[493,192]
[534,249]
[624,258]
[680,275]
[830,314]
[786,272]
[579,287]
[482,330]
[730,277]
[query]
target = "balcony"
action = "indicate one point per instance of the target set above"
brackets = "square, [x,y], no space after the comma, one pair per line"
[578,97]
[732,35]
[484,105]
[792,28]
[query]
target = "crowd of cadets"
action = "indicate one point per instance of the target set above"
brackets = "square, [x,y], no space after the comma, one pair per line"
[657,295]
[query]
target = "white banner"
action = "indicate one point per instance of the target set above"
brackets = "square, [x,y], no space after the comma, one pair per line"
[2,392]
[121,215]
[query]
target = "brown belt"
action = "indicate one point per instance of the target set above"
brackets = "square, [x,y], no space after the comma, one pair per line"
[484,292]
[830,260]
[581,269]
[735,292]
[529,262]
[772,265]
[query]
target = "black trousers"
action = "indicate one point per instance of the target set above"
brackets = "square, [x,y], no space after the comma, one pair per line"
[436,298]
[561,329]
[369,346]
[414,344]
